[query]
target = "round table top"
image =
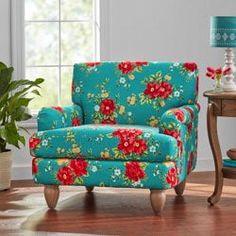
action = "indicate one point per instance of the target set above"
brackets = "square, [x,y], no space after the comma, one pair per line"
[220,95]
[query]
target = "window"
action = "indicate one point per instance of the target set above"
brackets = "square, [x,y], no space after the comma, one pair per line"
[57,34]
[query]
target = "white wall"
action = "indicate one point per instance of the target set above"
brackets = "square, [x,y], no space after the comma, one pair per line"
[5,48]
[160,30]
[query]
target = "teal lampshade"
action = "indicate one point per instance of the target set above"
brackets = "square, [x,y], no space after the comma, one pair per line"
[223,31]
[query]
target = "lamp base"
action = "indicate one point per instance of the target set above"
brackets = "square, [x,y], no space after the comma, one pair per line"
[229,84]
[228,87]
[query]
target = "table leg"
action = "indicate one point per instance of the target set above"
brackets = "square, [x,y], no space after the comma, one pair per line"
[216,151]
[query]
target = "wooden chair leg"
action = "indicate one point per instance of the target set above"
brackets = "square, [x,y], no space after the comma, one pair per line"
[158,199]
[51,194]
[179,189]
[89,189]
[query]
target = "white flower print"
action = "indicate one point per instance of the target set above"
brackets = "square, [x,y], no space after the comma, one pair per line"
[190,74]
[97,108]
[117,172]
[152,148]
[94,168]
[122,80]
[147,135]
[176,94]
[176,64]
[44,142]
[40,133]
[156,172]
[135,184]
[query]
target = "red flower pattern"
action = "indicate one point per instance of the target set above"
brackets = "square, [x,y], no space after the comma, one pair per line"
[190,111]
[134,171]
[92,64]
[79,167]
[154,90]
[164,90]
[198,106]
[140,146]
[130,142]
[109,121]
[174,133]
[141,63]
[127,133]
[34,167]
[189,127]
[60,109]
[172,177]
[126,146]
[65,175]
[190,66]
[179,114]
[75,121]
[125,67]
[180,146]
[134,132]
[107,106]
[34,142]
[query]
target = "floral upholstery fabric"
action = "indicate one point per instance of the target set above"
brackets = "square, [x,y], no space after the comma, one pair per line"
[133,124]
[132,93]
[110,142]
[134,174]
[58,117]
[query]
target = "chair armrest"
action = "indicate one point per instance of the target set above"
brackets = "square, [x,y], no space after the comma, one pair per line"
[179,123]
[182,115]
[59,117]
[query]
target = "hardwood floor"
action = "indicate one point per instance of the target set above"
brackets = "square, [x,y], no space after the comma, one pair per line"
[110,211]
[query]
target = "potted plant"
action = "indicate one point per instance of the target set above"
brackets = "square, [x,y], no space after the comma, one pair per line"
[14,100]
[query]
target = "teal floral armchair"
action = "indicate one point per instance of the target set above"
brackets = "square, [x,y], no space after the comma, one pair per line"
[132,124]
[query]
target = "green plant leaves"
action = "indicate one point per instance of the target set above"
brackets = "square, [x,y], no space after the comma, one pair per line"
[10,134]
[2,66]
[14,100]
[5,78]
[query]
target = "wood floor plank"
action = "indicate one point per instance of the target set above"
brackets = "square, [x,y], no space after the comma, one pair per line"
[111,211]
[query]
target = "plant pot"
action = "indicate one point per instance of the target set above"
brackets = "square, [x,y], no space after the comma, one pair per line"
[5,169]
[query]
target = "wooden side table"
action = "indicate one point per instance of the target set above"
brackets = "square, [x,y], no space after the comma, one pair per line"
[219,104]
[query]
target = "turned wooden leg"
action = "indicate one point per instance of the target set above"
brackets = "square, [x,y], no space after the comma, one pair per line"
[51,194]
[158,198]
[215,147]
[179,189]
[89,189]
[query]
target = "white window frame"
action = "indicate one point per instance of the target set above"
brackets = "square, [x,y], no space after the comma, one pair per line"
[18,45]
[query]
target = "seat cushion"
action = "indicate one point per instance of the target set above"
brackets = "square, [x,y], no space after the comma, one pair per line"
[111,142]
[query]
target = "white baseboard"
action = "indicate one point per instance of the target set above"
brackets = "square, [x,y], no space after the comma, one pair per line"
[20,172]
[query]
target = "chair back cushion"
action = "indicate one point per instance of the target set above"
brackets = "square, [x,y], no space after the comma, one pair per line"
[132,92]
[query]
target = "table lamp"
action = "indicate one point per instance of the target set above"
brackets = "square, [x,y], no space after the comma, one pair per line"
[223,35]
